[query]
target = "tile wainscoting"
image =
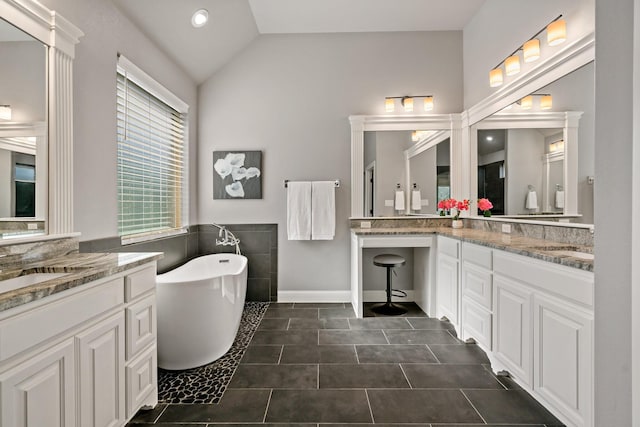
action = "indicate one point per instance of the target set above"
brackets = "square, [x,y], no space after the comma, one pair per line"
[258,242]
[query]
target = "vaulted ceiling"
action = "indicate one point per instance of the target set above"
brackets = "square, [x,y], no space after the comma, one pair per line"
[234,24]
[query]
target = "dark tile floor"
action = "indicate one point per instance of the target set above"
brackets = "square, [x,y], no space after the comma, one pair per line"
[315,364]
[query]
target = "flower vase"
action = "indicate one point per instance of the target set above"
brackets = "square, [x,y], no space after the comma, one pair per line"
[457,223]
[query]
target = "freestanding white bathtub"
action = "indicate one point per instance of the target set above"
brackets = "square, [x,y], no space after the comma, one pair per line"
[199,309]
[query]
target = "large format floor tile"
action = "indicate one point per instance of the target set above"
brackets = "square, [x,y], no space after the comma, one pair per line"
[315,365]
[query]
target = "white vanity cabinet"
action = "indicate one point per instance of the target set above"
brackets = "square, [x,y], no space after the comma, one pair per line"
[543,333]
[477,294]
[448,280]
[63,358]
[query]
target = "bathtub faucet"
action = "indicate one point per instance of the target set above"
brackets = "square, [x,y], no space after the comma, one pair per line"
[226,238]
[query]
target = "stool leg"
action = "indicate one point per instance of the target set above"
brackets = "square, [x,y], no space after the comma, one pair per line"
[389,287]
[388,307]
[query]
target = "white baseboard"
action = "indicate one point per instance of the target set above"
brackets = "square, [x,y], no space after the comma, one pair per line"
[381,296]
[314,296]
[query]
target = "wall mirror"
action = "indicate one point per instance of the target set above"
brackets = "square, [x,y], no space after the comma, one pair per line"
[23,133]
[540,164]
[391,150]
[418,162]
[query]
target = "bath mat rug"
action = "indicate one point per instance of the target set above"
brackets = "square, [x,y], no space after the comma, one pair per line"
[206,384]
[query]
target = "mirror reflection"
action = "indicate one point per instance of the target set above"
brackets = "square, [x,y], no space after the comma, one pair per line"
[22,133]
[528,169]
[406,172]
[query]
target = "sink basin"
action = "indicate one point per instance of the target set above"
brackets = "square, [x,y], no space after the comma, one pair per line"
[27,280]
[575,254]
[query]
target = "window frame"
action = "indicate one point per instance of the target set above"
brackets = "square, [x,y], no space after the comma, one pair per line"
[134,74]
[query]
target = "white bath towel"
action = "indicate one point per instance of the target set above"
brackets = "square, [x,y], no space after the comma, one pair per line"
[532,200]
[299,210]
[559,199]
[416,200]
[399,201]
[323,210]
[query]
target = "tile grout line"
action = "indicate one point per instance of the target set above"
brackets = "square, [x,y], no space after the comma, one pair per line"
[473,406]
[264,418]
[366,393]
[280,356]
[434,355]
[385,336]
[318,376]
[355,349]
[161,412]
[405,376]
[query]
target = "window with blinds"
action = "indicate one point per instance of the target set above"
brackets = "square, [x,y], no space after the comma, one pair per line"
[151,159]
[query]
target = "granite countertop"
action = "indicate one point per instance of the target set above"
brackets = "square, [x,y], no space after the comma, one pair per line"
[546,250]
[81,268]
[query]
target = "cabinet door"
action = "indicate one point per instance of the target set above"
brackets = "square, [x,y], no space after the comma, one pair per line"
[563,348]
[101,352]
[40,392]
[512,328]
[447,289]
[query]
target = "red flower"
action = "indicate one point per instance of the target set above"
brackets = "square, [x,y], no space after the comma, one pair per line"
[484,204]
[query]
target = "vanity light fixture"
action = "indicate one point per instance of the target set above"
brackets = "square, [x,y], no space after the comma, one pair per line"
[199,18]
[414,136]
[5,112]
[489,138]
[407,102]
[546,102]
[527,102]
[556,34]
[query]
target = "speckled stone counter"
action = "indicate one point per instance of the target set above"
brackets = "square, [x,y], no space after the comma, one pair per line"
[81,269]
[522,245]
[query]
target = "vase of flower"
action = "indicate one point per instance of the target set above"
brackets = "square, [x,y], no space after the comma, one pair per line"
[457,223]
[456,207]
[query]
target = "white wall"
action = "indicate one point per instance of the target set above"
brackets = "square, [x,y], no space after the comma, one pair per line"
[524,150]
[108,32]
[290,96]
[617,331]
[501,26]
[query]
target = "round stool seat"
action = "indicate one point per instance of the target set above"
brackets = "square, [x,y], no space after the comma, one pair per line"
[389,261]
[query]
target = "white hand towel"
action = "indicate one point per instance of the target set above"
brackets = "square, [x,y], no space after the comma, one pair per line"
[532,200]
[399,201]
[559,199]
[323,210]
[416,200]
[299,210]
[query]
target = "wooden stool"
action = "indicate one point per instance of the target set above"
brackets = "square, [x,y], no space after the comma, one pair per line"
[389,261]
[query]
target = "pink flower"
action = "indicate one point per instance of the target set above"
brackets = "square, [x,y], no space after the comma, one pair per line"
[484,204]
[462,205]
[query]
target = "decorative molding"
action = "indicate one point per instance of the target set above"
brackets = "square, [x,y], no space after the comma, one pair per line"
[314,296]
[61,36]
[572,57]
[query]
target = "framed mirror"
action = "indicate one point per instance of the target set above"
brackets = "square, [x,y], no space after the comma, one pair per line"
[388,151]
[540,164]
[23,133]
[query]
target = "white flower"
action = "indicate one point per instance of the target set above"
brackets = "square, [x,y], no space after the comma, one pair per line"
[239,173]
[251,172]
[223,167]
[235,159]
[235,189]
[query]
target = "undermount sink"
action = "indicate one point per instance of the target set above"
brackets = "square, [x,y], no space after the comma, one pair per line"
[27,280]
[575,254]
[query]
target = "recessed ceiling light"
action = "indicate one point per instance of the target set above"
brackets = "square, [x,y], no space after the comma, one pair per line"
[489,138]
[199,18]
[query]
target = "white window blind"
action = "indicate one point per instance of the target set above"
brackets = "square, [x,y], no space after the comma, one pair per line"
[151,160]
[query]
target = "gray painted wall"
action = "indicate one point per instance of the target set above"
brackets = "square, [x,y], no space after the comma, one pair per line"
[23,82]
[5,183]
[290,96]
[424,173]
[390,168]
[501,26]
[107,32]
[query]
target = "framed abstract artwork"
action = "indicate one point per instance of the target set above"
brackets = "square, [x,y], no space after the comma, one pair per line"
[237,175]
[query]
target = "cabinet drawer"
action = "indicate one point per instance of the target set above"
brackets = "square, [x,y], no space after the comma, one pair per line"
[476,323]
[140,282]
[141,378]
[141,325]
[476,254]
[28,329]
[449,247]
[477,285]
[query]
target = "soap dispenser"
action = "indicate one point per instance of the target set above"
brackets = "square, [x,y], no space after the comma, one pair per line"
[398,201]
